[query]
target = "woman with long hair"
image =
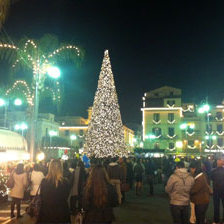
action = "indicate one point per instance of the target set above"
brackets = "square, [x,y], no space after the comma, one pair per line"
[99,198]
[54,192]
[17,192]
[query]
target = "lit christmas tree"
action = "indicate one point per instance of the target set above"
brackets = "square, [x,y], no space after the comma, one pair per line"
[105,135]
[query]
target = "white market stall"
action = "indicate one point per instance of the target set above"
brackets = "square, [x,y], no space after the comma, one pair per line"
[13,146]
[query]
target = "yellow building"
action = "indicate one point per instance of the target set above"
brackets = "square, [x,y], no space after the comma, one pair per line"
[162,115]
[172,126]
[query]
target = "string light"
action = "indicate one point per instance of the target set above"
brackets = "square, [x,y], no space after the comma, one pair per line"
[156,122]
[171,137]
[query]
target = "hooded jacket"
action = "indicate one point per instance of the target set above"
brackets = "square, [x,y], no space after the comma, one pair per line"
[200,191]
[179,186]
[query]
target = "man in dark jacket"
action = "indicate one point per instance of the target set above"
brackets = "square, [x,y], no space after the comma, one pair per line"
[217,176]
[178,187]
[149,171]
[115,175]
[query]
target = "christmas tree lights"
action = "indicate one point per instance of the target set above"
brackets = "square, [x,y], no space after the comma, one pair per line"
[105,135]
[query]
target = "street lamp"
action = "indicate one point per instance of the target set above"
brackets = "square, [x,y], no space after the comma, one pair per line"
[54,72]
[23,126]
[39,77]
[205,109]
[18,102]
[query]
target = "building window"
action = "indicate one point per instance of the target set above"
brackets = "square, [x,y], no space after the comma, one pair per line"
[156,117]
[171,102]
[171,131]
[191,143]
[220,142]
[46,133]
[171,117]
[81,133]
[219,115]
[209,128]
[209,142]
[171,145]
[67,133]
[157,131]
[156,145]
[219,128]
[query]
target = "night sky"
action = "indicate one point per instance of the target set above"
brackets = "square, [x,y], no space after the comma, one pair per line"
[151,44]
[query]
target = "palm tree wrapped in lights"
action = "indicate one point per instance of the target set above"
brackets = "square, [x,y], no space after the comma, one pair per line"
[38,57]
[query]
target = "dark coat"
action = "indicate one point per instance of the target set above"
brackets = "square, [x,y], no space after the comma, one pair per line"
[200,194]
[217,176]
[104,214]
[114,171]
[54,206]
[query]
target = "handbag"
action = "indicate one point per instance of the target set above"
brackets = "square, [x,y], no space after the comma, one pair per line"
[125,187]
[10,183]
[34,207]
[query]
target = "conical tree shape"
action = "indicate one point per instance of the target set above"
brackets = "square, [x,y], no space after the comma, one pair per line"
[105,135]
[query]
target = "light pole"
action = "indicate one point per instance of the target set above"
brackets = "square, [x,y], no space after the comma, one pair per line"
[205,109]
[5,103]
[39,78]
[23,126]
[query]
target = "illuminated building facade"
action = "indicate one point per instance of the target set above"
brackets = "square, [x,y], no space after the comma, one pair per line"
[175,127]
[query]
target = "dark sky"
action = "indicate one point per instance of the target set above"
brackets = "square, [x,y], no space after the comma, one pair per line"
[151,44]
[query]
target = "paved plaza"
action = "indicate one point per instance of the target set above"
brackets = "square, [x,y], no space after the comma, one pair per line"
[136,209]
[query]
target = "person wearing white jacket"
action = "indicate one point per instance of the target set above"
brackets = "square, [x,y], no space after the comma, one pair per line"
[36,177]
[17,192]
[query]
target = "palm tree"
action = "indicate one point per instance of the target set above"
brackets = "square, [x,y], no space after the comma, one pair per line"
[35,56]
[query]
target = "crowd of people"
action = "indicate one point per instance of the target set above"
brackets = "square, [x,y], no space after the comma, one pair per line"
[72,188]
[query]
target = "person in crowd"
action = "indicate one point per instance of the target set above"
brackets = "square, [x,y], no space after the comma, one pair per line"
[79,178]
[130,173]
[115,175]
[66,173]
[200,192]
[54,193]
[99,198]
[35,179]
[17,192]
[149,172]
[123,165]
[217,177]
[43,167]
[178,187]
[138,173]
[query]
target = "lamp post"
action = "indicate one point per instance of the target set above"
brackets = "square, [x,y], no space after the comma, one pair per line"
[39,78]
[205,109]
[23,126]
[5,103]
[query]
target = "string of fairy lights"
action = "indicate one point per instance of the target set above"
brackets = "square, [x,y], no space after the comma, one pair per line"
[105,134]
[39,64]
